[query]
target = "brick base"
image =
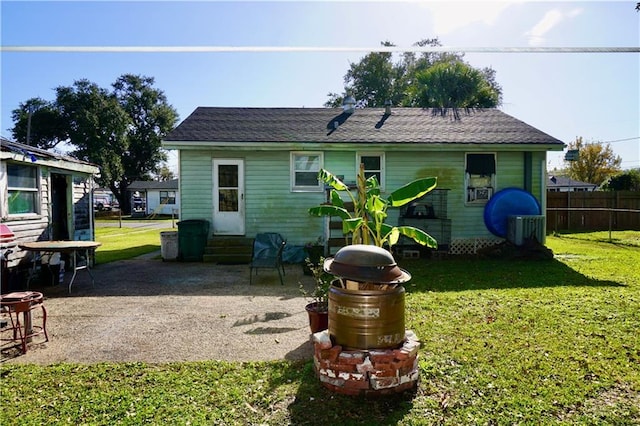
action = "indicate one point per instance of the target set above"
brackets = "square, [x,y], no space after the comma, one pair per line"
[366,372]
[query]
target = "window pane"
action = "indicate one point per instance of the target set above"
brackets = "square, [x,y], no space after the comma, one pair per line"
[367,175]
[21,176]
[306,179]
[228,200]
[307,163]
[228,176]
[21,202]
[371,163]
[481,164]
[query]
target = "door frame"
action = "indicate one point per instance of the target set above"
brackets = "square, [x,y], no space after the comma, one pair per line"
[61,220]
[237,222]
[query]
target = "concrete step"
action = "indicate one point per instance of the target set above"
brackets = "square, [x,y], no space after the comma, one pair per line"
[228,250]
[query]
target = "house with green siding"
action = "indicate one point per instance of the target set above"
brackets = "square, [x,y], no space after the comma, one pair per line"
[253,170]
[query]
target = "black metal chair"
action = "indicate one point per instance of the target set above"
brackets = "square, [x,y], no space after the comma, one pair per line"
[267,254]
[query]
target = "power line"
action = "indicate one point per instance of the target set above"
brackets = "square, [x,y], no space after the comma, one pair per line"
[622,140]
[337,49]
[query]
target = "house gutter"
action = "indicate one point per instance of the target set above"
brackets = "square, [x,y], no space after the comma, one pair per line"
[341,146]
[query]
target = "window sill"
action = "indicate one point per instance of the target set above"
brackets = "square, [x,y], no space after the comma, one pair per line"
[307,189]
[24,216]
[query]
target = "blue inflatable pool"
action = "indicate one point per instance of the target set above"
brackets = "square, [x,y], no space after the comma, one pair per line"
[505,203]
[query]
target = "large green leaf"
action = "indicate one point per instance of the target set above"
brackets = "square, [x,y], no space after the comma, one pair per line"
[336,200]
[351,224]
[377,207]
[393,236]
[411,191]
[332,180]
[418,235]
[329,210]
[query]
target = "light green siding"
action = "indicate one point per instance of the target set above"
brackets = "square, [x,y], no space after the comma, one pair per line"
[196,185]
[271,206]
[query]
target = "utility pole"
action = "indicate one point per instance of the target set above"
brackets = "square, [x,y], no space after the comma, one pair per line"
[30,110]
[571,155]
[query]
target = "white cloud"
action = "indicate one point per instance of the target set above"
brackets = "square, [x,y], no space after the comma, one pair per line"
[452,15]
[550,20]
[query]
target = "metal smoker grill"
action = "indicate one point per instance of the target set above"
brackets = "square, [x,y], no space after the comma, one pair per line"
[366,303]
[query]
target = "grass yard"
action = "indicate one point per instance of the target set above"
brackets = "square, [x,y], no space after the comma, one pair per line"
[503,342]
[125,243]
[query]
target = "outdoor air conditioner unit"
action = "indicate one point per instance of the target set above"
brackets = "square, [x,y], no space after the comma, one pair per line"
[521,227]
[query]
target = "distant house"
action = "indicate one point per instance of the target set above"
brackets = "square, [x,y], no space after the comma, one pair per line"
[251,170]
[565,184]
[45,196]
[154,197]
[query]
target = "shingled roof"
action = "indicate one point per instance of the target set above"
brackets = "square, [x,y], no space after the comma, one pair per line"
[30,153]
[368,125]
[141,185]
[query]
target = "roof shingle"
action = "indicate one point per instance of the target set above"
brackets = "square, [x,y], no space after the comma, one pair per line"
[368,125]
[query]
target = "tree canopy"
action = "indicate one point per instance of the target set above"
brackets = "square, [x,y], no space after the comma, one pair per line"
[625,181]
[120,130]
[428,80]
[595,164]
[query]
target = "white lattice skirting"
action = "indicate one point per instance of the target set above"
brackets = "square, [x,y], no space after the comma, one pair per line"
[472,245]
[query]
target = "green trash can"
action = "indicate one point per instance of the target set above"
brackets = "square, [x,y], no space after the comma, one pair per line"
[192,239]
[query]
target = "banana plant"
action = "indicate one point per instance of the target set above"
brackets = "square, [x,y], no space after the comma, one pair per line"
[366,223]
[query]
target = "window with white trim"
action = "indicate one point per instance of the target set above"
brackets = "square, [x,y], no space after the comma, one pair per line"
[304,171]
[22,189]
[480,177]
[373,166]
[167,197]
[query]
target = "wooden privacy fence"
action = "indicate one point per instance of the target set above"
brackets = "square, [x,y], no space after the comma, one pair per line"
[593,211]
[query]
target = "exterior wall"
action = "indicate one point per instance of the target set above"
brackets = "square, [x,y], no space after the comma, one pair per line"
[154,206]
[34,227]
[196,185]
[272,207]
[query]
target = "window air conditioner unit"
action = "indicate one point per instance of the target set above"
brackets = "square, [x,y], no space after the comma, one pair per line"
[482,194]
[522,227]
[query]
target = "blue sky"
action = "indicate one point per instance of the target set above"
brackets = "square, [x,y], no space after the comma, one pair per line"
[593,95]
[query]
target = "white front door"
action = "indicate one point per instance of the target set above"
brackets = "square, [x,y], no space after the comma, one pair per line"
[228,196]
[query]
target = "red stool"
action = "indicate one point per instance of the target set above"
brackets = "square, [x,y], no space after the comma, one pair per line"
[19,304]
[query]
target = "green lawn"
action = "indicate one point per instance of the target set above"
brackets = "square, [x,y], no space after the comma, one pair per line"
[504,342]
[125,243]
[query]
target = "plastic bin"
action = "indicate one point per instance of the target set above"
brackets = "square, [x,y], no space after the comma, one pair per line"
[192,239]
[169,245]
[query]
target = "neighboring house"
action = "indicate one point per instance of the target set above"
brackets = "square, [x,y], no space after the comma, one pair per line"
[154,197]
[251,170]
[45,196]
[565,184]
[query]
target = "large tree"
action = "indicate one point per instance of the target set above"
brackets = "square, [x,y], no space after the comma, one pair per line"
[431,79]
[150,118]
[625,181]
[595,164]
[38,123]
[96,126]
[120,130]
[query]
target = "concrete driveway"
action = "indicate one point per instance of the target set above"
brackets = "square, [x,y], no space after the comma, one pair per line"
[148,310]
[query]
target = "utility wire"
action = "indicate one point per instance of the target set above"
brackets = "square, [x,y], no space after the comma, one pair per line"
[215,49]
[622,140]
